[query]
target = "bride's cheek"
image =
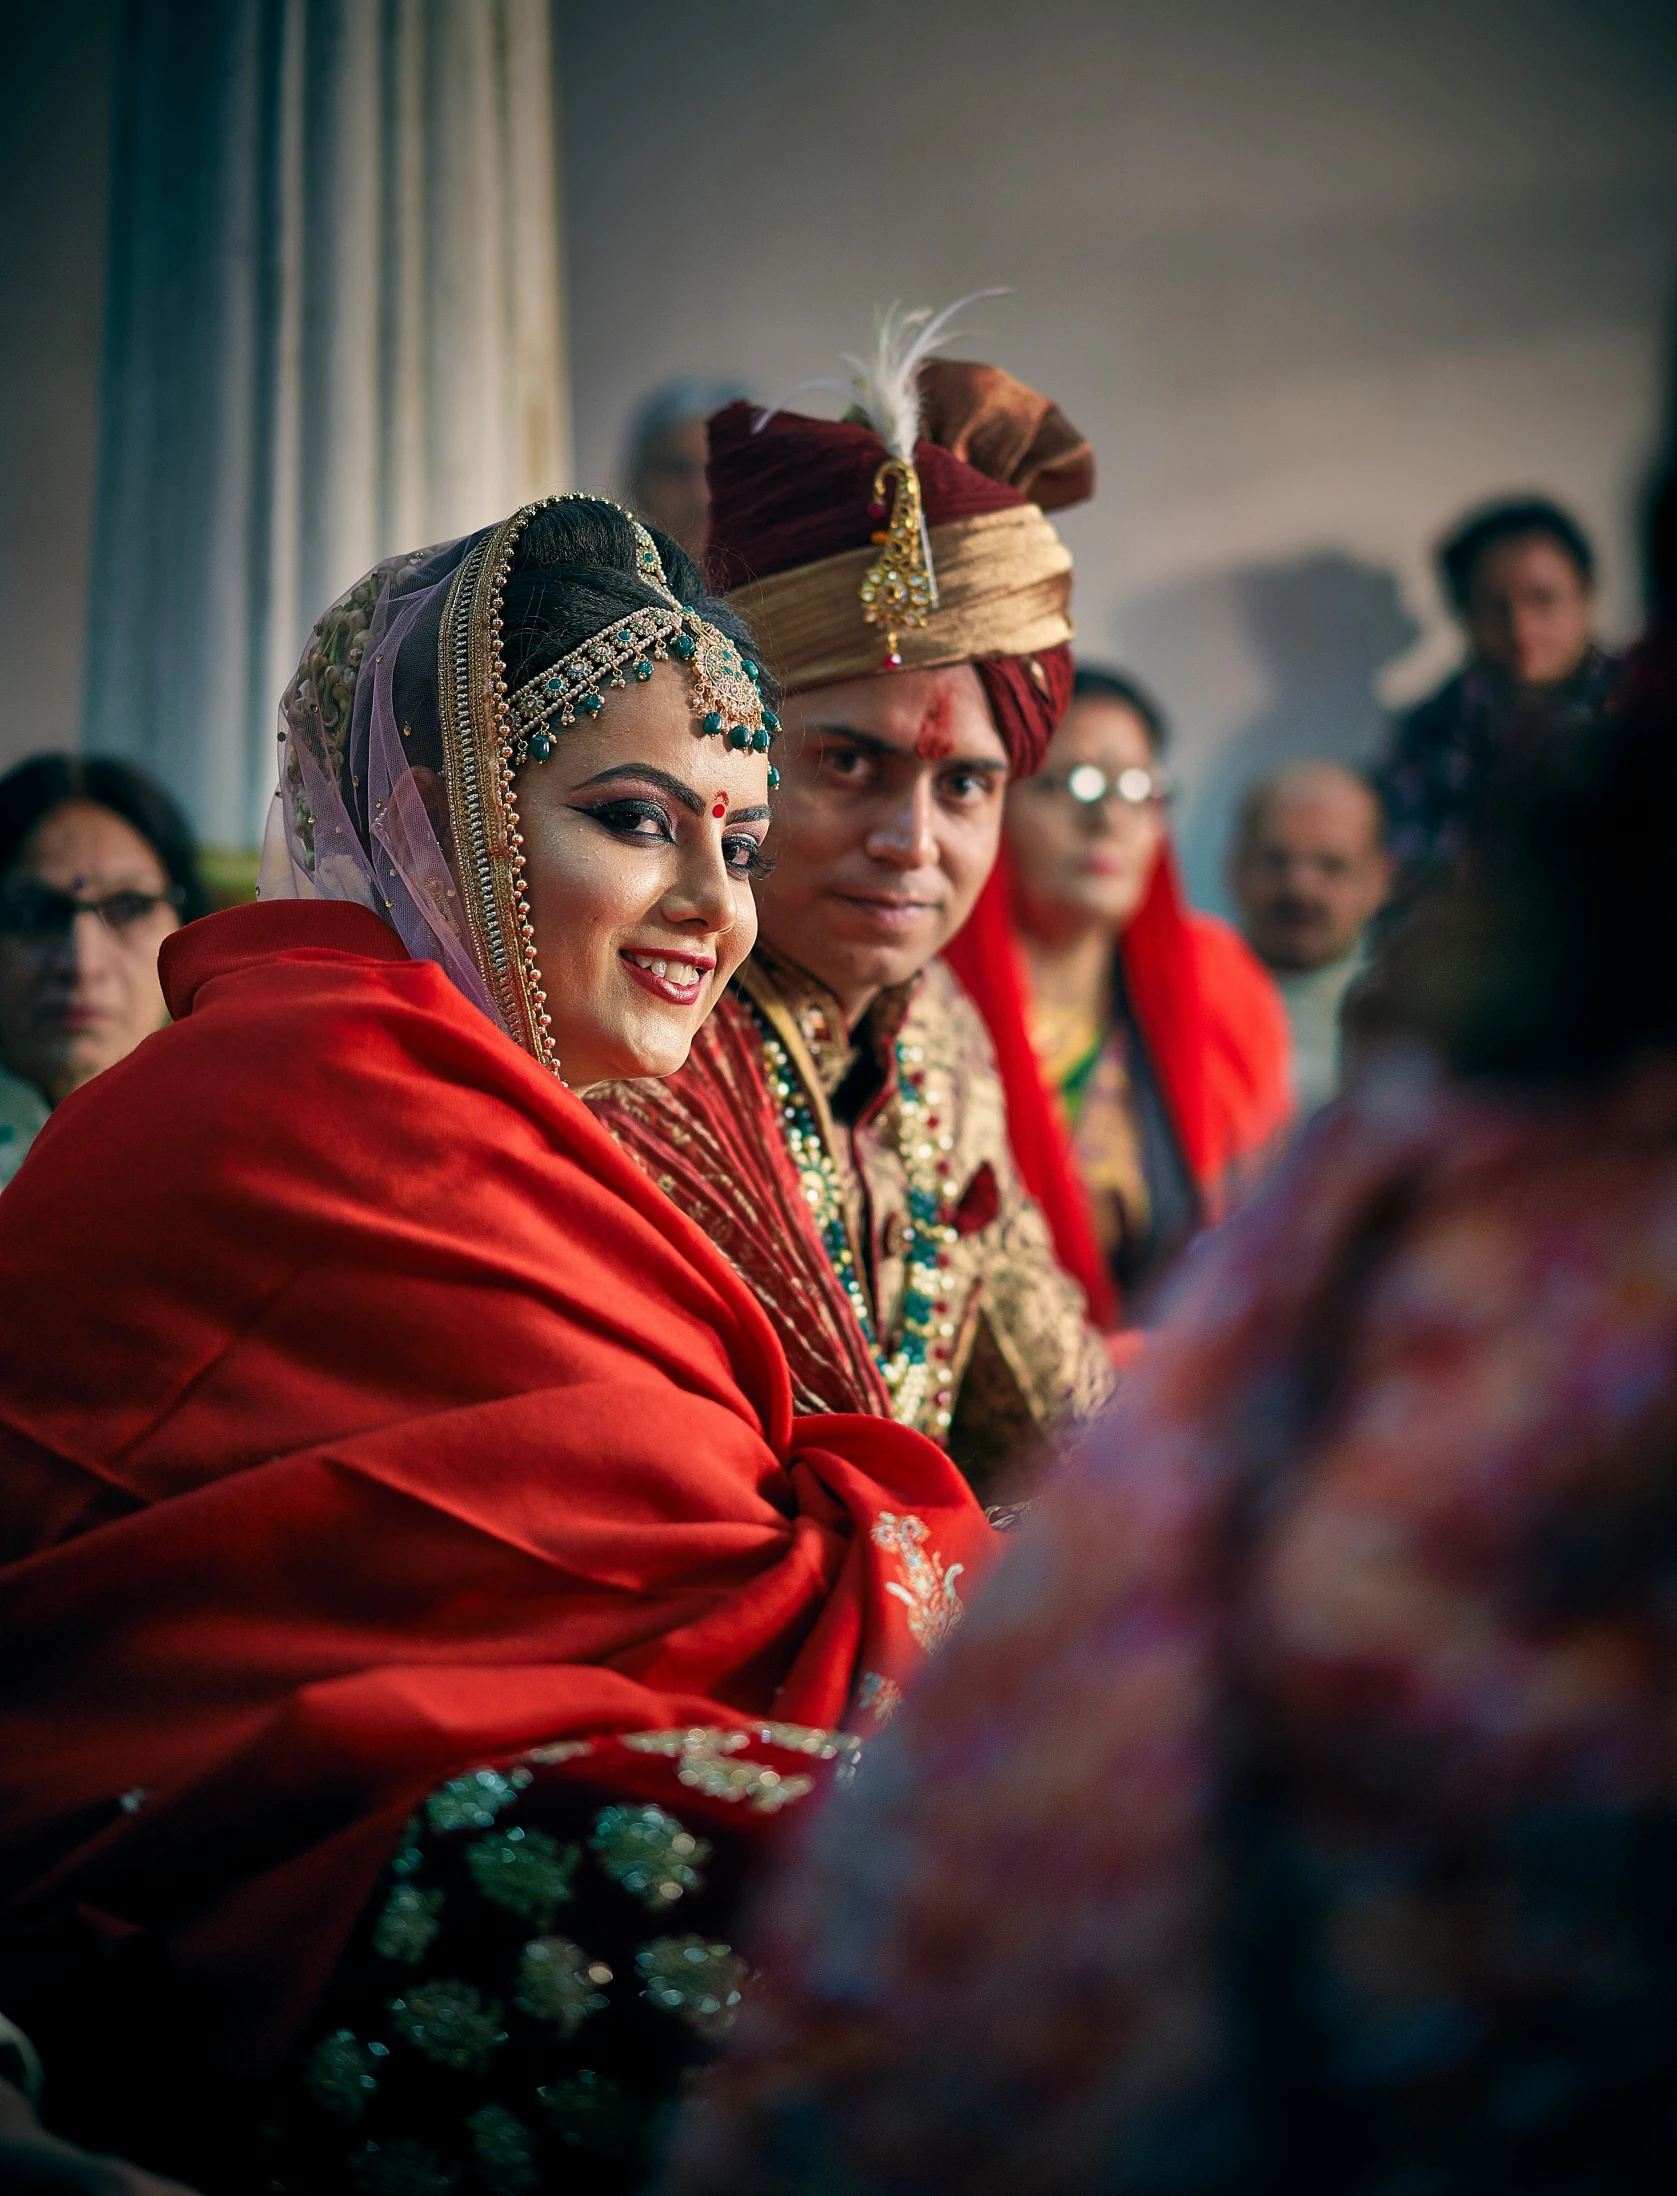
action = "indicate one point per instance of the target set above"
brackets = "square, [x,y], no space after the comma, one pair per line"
[743,935]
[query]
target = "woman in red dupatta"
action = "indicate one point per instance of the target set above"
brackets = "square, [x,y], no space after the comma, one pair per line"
[1147,1083]
[421,1601]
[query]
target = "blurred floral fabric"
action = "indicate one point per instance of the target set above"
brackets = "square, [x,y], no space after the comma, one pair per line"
[1296,1807]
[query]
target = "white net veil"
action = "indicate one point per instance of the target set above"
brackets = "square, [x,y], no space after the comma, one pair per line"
[360,716]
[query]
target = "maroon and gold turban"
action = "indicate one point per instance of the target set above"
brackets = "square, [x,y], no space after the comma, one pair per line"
[794,528]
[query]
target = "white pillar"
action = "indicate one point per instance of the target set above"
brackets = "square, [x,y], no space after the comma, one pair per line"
[333,330]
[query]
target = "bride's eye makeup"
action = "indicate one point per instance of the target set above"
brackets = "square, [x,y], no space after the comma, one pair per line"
[637,818]
[745,857]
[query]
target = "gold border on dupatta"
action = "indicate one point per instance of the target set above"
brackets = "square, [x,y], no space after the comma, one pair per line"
[471,681]
[478,729]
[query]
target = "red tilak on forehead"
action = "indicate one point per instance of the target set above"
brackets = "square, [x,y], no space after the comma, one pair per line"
[936,740]
[721,808]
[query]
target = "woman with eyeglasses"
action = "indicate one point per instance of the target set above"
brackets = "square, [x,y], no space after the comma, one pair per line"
[97,866]
[1144,1049]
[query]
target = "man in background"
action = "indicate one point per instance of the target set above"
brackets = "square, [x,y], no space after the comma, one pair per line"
[1308,869]
[664,470]
[1520,576]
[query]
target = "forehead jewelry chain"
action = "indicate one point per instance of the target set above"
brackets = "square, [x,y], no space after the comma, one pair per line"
[726,684]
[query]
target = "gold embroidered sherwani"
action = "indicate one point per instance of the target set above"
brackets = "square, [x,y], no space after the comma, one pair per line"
[1008,1350]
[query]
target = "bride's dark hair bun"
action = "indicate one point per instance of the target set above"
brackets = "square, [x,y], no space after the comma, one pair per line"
[575,573]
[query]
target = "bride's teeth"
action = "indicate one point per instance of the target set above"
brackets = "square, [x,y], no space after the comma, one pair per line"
[684,974]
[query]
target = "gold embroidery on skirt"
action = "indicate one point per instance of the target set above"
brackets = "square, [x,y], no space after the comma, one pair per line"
[927,1590]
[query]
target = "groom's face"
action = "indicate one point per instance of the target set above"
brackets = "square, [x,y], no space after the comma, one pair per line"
[885,828]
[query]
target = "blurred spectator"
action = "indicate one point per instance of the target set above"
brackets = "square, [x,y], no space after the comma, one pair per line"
[1521,578]
[96,868]
[1651,666]
[1308,869]
[1295,1810]
[1143,1049]
[665,467]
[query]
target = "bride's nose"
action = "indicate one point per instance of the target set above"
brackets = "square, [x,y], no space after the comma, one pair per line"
[701,897]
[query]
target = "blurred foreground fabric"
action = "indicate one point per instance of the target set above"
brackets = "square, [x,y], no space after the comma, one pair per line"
[1296,1808]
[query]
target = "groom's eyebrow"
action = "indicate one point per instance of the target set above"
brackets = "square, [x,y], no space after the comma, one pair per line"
[876,746]
[677,788]
[835,731]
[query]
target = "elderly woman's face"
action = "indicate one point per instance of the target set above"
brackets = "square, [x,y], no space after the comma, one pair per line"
[641,839]
[83,910]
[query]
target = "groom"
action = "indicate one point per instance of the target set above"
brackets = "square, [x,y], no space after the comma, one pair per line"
[916,615]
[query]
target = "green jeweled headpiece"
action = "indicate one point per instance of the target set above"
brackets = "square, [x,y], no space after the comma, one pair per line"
[727,698]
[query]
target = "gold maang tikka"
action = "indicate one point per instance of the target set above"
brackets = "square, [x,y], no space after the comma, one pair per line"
[726,684]
[899,589]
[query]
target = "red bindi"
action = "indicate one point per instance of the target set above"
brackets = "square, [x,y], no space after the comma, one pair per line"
[720,810]
[936,739]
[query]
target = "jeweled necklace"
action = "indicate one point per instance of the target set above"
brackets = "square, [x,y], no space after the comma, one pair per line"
[922,1362]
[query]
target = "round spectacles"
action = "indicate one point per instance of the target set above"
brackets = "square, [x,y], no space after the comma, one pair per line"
[38,912]
[1088,785]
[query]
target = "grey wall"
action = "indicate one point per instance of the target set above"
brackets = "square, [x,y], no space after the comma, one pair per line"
[54,102]
[1311,276]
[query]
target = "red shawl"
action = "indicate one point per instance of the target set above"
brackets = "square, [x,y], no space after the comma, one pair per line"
[367,1415]
[1216,1036]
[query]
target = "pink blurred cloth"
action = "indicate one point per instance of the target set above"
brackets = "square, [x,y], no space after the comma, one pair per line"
[1296,1808]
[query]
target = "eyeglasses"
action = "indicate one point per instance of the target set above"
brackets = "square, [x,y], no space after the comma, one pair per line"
[37,911]
[1088,785]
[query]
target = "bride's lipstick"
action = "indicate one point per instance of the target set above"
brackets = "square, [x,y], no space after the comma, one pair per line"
[676,978]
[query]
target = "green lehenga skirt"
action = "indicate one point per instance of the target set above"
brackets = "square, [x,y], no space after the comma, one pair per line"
[542,1968]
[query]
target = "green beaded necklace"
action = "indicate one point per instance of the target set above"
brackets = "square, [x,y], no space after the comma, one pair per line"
[920,1368]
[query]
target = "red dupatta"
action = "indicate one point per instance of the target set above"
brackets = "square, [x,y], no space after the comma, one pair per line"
[367,1415]
[1216,1037]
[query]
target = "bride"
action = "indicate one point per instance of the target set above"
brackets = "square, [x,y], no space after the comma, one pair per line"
[422,1602]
